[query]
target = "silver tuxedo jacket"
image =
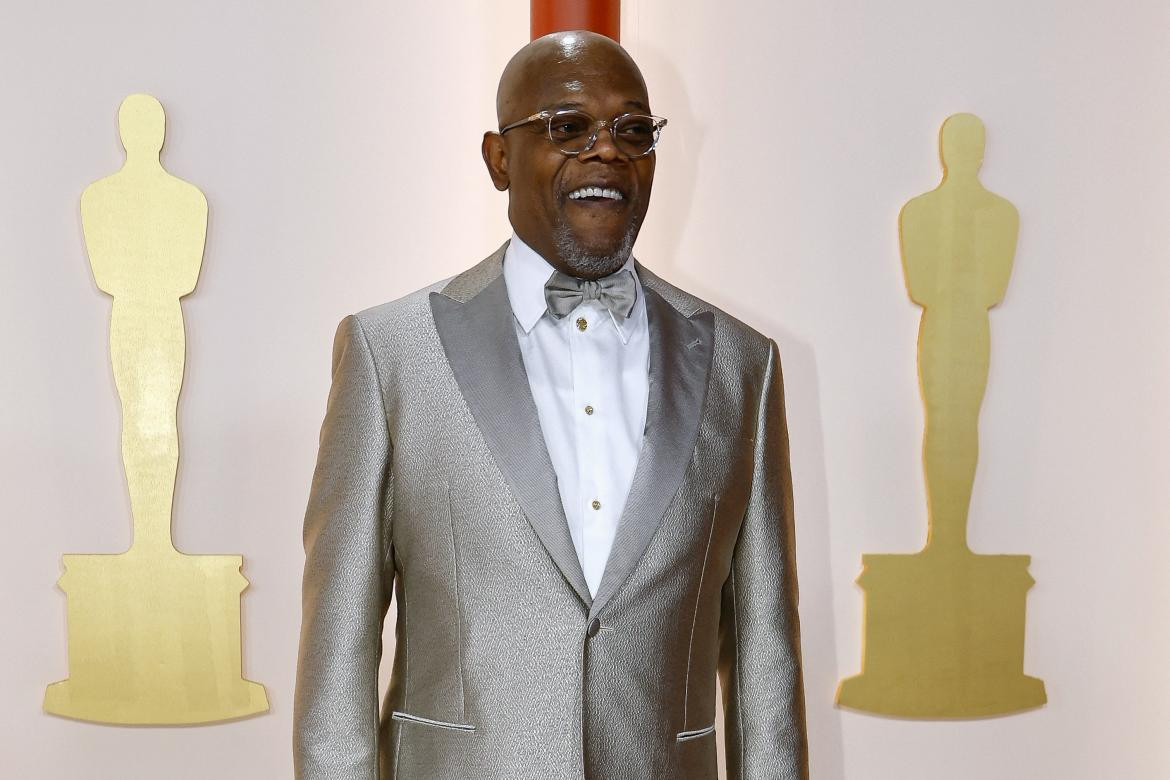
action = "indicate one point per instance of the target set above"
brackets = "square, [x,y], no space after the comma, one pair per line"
[433,484]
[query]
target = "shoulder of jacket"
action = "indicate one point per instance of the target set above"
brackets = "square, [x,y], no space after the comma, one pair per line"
[407,307]
[729,330]
[460,287]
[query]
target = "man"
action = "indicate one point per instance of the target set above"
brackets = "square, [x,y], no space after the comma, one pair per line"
[572,476]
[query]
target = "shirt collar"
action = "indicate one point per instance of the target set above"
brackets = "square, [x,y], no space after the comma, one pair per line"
[525,274]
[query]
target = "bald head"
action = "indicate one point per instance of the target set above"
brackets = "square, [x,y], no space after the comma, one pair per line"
[546,60]
[580,210]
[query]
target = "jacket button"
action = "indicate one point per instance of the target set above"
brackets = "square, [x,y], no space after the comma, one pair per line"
[594,627]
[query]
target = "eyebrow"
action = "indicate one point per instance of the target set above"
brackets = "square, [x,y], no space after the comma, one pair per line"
[638,104]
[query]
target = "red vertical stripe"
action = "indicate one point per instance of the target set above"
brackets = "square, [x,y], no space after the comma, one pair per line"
[600,16]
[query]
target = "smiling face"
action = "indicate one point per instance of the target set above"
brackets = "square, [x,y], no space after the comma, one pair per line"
[581,213]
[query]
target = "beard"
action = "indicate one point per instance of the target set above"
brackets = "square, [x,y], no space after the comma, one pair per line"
[587,263]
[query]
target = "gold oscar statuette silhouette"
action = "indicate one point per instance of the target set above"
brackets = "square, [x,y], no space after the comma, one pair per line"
[154,634]
[944,627]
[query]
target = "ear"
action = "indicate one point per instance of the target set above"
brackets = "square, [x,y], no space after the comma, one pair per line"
[495,156]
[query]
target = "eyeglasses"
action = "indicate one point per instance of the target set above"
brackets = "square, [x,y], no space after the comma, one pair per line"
[573,132]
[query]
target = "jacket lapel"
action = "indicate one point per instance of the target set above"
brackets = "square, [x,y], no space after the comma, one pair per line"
[680,363]
[474,321]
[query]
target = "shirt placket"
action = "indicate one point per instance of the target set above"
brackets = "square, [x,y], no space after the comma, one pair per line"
[587,340]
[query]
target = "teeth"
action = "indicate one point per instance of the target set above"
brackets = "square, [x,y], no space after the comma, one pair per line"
[595,192]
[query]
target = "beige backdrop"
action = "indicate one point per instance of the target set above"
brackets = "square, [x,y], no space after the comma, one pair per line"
[338,147]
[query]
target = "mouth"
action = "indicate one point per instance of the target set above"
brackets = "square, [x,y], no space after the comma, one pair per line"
[597,194]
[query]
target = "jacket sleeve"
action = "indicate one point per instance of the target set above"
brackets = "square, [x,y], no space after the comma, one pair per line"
[346,536]
[759,656]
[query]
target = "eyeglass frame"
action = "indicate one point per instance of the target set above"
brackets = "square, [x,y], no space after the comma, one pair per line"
[547,115]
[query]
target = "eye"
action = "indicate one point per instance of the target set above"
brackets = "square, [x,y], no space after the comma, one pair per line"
[636,128]
[569,125]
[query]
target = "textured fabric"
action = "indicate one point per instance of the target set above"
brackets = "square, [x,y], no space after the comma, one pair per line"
[433,483]
[590,386]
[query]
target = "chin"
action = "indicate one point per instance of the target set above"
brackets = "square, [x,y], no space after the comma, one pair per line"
[593,258]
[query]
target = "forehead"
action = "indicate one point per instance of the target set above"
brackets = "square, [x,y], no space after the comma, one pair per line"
[600,83]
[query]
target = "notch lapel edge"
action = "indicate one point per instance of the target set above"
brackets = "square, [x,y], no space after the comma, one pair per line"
[680,371]
[480,343]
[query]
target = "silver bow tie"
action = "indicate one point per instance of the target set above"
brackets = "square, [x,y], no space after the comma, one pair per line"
[616,292]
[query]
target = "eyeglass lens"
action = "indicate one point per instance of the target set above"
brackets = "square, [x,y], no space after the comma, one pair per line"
[633,134]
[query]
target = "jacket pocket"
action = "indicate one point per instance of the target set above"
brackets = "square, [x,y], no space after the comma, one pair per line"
[686,736]
[406,717]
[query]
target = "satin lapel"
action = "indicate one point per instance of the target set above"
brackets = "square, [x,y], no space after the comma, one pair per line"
[680,362]
[480,342]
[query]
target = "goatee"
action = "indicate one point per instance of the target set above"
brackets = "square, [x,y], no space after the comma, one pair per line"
[587,264]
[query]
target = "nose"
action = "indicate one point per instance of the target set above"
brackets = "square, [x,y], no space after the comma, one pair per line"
[603,148]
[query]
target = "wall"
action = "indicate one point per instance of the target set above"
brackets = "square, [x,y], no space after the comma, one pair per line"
[338,147]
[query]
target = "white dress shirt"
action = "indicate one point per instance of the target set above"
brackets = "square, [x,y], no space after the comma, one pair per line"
[589,374]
